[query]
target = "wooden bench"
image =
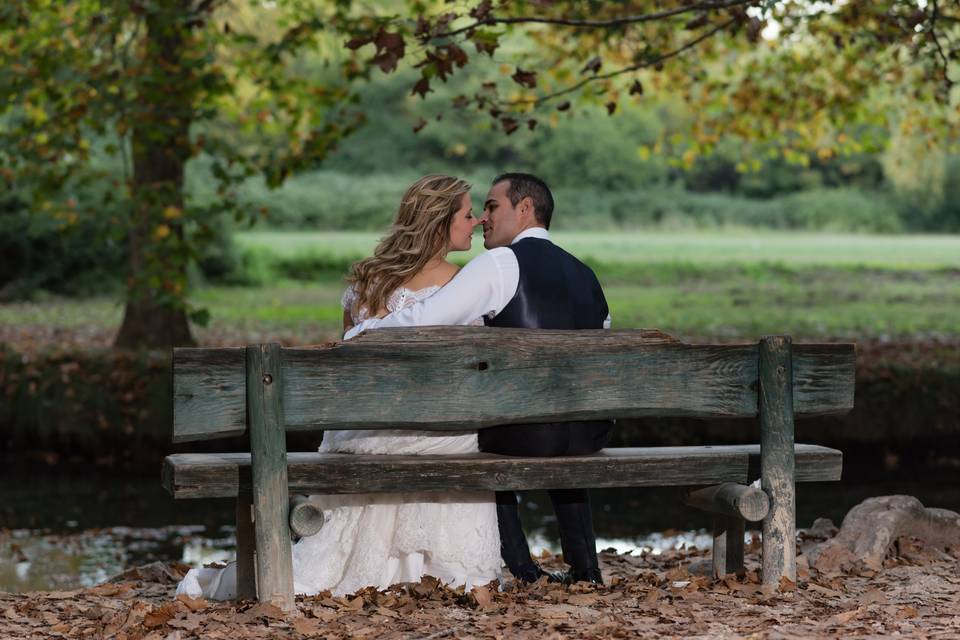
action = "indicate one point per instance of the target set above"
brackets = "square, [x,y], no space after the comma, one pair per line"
[457,378]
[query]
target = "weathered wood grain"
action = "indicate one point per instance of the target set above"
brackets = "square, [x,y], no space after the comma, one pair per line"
[306,518]
[452,378]
[814,463]
[268,459]
[731,499]
[220,475]
[823,378]
[777,461]
[209,387]
[246,547]
[727,545]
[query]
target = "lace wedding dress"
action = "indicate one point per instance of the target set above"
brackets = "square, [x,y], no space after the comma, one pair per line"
[382,539]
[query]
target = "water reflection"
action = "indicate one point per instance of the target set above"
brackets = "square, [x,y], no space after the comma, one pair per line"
[43,561]
[62,530]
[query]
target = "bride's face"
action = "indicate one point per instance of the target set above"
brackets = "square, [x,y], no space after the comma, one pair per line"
[461,227]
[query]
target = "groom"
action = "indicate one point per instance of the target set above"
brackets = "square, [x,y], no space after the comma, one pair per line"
[524,280]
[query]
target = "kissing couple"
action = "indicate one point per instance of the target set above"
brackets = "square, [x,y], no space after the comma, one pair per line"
[522,280]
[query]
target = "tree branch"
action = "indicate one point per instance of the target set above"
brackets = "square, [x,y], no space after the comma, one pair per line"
[596,24]
[936,41]
[642,65]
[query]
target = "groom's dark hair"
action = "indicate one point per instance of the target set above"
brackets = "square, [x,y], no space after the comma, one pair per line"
[525,185]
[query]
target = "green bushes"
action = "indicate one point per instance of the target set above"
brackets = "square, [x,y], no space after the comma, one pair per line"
[40,252]
[325,200]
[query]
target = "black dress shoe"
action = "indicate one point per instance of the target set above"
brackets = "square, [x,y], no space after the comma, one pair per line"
[534,572]
[585,575]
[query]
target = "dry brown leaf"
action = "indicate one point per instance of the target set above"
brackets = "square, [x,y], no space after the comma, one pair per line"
[190,623]
[159,615]
[482,596]
[60,595]
[906,613]
[873,596]
[308,626]
[107,589]
[583,599]
[194,604]
[813,586]
[263,610]
[846,616]
[786,584]
[324,614]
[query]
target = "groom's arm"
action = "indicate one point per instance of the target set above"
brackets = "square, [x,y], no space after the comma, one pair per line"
[483,287]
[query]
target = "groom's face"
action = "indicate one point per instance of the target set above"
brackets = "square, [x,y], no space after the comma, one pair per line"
[501,220]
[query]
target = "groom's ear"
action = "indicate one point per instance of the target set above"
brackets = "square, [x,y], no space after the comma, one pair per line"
[526,206]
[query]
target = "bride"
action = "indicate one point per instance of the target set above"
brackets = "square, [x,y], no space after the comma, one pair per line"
[382,539]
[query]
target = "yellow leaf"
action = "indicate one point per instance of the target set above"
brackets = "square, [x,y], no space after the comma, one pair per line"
[172,213]
[161,232]
[644,152]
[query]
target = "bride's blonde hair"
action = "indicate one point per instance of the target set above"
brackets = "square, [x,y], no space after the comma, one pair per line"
[420,232]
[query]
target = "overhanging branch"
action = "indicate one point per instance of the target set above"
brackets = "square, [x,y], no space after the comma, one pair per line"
[599,24]
[636,67]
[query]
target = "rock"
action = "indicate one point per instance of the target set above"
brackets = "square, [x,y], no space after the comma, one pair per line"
[873,526]
[822,529]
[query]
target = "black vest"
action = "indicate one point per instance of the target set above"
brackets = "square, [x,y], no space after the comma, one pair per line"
[555,291]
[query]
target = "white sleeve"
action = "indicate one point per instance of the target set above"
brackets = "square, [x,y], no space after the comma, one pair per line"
[483,287]
[608,322]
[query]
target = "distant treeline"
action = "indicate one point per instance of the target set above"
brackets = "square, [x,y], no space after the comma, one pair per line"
[607,172]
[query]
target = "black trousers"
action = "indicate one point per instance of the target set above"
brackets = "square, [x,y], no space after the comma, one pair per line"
[572,506]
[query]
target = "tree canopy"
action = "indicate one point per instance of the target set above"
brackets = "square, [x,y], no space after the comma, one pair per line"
[116,97]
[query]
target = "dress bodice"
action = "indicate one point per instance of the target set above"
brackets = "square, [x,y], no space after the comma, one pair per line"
[401,298]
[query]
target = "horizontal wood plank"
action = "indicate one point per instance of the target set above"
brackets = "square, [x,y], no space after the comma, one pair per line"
[209,393]
[455,378]
[211,475]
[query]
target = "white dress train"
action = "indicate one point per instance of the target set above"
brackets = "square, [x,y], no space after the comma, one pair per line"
[383,539]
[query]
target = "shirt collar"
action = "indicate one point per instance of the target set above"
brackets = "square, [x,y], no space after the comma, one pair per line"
[532,232]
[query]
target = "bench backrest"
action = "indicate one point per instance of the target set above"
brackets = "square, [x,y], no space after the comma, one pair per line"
[449,378]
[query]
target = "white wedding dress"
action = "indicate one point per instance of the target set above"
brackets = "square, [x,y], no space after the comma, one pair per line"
[383,539]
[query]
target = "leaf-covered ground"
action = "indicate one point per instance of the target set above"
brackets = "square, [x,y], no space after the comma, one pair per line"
[916,594]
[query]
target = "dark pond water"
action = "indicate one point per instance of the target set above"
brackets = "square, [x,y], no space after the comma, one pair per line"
[63,527]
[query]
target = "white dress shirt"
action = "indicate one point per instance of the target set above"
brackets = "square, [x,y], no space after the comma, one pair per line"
[481,289]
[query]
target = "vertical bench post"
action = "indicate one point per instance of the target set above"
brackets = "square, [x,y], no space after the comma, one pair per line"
[777,459]
[246,567]
[727,545]
[268,459]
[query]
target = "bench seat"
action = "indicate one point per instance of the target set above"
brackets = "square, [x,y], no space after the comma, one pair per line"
[221,475]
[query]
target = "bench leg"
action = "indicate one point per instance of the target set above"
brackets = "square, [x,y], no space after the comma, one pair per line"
[268,459]
[246,547]
[727,545]
[777,460]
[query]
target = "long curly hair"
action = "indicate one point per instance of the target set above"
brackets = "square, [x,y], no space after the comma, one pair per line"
[419,233]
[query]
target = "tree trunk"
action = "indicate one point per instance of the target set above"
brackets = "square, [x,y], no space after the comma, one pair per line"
[155,315]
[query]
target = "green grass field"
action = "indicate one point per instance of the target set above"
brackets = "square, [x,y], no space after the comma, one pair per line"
[694,285]
[708,248]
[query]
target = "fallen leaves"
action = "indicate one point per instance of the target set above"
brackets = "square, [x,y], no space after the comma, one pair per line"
[647,595]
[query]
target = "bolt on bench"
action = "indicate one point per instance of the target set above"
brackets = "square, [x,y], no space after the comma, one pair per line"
[456,378]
